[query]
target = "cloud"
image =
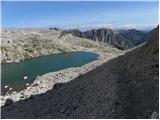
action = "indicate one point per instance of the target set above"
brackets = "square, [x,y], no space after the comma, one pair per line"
[111,26]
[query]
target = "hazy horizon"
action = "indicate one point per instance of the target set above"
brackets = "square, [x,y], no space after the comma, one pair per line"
[80,15]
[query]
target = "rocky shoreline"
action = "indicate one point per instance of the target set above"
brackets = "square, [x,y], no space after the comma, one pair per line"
[46,82]
[18,45]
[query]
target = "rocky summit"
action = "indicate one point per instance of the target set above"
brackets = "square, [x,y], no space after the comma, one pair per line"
[124,87]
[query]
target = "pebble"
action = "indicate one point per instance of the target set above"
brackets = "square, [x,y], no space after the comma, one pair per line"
[38,82]
[154,115]
[16,61]
[28,88]
[8,102]
[10,89]
[25,77]
[6,86]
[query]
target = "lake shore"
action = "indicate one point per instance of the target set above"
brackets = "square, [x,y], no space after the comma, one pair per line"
[19,45]
[46,82]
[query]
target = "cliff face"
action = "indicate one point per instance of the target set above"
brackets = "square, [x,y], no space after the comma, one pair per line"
[120,39]
[125,87]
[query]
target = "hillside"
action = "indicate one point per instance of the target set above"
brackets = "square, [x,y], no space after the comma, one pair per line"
[125,87]
[121,39]
[20,44]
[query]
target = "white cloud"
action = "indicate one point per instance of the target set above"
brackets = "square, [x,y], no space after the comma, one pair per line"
[111,26]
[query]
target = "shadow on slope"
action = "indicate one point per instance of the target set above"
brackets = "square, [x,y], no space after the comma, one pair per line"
[125,87]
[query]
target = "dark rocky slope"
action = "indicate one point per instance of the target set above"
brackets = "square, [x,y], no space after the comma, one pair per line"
[133,37]
[120,39]
[125,87]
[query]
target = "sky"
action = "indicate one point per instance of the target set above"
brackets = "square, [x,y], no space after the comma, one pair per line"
[115,14]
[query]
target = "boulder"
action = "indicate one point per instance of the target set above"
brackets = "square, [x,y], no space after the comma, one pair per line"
[8,102]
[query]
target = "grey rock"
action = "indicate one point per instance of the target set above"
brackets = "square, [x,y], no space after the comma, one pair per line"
[8,102]
[154,115]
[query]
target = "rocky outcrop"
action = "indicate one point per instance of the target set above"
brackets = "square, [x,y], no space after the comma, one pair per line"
[121,39]
[102,35]
[125,87]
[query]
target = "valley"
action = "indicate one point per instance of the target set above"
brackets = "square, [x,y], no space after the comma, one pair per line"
[79,59]
[123,87]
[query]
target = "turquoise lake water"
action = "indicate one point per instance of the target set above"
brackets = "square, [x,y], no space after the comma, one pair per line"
[12,74]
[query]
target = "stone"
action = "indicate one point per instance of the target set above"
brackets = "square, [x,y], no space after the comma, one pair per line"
[57,85]
[8,102]
[16,61]
[6,86]
[10,89]
[25,77]
[154,115]
[27,84]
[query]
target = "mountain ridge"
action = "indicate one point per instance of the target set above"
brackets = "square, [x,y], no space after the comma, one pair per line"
[122,39]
